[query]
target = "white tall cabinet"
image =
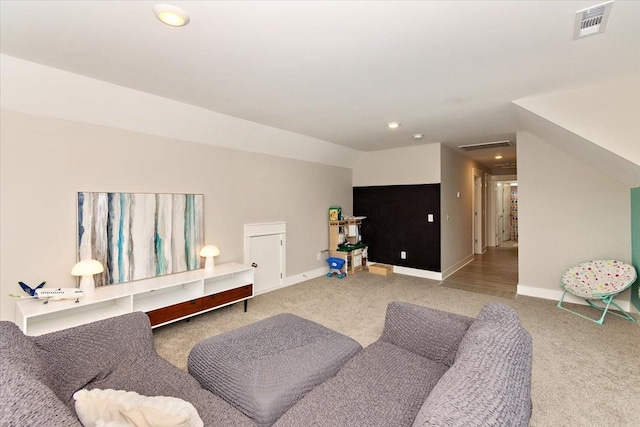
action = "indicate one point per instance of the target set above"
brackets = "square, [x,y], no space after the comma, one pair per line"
[165,299]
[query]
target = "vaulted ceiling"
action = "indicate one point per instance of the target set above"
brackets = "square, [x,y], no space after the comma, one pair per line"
[337,71]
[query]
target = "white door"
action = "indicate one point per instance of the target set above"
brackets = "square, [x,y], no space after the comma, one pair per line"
[266,259]
[265,249]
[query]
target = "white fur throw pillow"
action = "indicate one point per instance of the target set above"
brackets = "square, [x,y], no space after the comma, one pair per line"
[119,408]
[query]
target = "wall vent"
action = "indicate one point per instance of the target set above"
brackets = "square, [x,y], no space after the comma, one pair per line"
[592,21]
[485,145]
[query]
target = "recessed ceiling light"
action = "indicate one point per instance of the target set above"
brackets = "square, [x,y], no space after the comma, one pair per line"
[498,157]
[171,15]
[418,136]
[393,125]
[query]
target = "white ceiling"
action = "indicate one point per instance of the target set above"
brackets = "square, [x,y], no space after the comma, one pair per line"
[337,71]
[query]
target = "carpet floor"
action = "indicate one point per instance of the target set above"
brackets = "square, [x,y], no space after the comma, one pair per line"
[583,374]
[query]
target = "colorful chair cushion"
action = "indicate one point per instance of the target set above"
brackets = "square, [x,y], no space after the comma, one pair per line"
[599,278]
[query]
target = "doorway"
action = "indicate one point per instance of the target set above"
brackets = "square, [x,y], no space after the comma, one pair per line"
[494,271]
[503,213]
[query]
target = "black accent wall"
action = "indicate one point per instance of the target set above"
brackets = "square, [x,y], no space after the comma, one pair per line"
[397,221]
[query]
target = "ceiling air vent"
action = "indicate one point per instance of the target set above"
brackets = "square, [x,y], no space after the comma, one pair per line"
[484,145]
[505,166]
[592,21]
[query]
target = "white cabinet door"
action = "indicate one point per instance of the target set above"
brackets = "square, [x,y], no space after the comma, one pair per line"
[266,258]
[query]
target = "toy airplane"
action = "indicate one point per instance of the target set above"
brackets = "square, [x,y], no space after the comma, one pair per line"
[31,291]
[53,294]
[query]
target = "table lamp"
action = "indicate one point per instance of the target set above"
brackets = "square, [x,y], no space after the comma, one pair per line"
[209,252]
[87,268]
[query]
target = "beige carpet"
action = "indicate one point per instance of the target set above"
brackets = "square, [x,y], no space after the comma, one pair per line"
[583,374]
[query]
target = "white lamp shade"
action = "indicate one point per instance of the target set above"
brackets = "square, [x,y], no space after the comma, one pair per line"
[87,267]
[209,251]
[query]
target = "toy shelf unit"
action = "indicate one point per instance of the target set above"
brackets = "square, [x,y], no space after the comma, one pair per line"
[345,242]
[165,299]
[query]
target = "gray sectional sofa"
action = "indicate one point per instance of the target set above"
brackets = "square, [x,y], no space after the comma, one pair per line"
[429,368]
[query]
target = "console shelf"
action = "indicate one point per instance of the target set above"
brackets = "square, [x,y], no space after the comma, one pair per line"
[165,299]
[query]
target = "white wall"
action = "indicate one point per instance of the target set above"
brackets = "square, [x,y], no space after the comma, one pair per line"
[456,212]
[44,162]
[569,212]
[401,166]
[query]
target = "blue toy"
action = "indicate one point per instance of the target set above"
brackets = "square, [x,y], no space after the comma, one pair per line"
[335,266]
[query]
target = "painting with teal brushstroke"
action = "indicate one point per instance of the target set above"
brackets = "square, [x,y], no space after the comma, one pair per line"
[140,235]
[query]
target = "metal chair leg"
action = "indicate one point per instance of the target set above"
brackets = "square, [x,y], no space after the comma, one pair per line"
[607,300]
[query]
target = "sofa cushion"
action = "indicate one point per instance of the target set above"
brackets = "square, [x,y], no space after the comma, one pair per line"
[78,356]
[490,381]
[383,385]
[150,375]
[118,353]
[428,332]
[24,384]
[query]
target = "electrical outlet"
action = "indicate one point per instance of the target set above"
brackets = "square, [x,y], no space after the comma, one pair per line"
[319,256]
[403,255]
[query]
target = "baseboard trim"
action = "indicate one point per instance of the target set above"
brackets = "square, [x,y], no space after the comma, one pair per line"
[457,266]
[415,272]
[556,294]
[296,278]
[302,277]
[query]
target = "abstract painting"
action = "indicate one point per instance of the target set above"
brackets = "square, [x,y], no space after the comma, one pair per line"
[138,236]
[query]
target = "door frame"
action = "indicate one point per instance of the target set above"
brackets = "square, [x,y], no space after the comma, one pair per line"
[477,212]
[267,229]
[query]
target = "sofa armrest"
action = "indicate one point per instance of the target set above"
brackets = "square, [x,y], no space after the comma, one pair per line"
[25,397]
[77,356]
[428,332]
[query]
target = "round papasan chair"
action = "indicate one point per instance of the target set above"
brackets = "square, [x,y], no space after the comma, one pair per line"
[598,280]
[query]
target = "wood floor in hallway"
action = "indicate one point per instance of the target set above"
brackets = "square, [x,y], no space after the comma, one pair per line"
[493,273]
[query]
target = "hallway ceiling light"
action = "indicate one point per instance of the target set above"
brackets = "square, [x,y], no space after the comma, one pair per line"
[418,136]
[171,15]
[393,125]
[498,157]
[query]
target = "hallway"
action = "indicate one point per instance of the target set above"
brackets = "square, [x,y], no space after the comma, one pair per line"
[493,273]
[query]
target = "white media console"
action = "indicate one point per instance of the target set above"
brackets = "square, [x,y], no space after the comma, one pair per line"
[165,299]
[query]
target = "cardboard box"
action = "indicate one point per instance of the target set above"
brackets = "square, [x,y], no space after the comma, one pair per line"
[381,269]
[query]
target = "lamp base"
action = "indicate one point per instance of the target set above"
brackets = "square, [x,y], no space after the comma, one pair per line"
[87,285]
[208,264]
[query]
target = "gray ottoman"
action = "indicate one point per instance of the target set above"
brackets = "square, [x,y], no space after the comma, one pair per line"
[263,369]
